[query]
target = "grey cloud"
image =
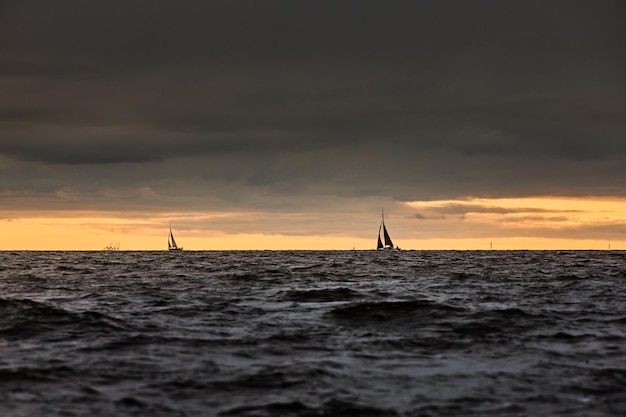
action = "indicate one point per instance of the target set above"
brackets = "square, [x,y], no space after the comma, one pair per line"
[521,219]
[420,216]
[463,209]
[367,98]
[605,230]
[120,147]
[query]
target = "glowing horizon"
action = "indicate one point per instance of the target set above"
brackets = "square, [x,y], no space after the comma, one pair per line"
[513,223]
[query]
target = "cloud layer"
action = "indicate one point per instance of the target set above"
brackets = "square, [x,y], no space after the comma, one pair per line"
[275,104]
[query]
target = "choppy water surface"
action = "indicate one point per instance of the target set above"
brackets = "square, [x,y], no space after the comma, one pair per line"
[313,333]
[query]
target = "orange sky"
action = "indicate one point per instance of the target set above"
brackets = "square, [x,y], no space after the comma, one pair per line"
[522,223]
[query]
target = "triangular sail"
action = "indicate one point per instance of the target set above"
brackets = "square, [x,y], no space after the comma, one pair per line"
[388,241]
[380,242]
[173,245]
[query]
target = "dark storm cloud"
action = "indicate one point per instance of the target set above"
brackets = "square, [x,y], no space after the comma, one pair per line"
[125,147]
[449,98]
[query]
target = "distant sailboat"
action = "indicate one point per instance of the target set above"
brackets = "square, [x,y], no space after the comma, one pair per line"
[388,245]
[113,246]
[171,243]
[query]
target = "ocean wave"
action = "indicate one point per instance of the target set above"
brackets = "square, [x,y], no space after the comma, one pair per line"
[322,295]
[296,408]
[393,312]
[23,318]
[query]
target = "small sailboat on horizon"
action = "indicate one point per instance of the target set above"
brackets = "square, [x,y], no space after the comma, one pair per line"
[112,246]
[171,243]
[388,244]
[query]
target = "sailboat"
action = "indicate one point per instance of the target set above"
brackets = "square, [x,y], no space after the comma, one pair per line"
[113,246]
[388,245]
[171,243]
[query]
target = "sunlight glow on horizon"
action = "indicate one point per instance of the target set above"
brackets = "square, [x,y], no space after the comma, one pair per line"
[512,223]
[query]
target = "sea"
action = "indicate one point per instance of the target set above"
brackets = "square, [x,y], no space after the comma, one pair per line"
[313,333]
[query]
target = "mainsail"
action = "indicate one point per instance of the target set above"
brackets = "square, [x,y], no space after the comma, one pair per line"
[388,241]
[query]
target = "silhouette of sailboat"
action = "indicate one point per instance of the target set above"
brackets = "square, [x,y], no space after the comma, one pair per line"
[171,243]
[388,244]
[113,246]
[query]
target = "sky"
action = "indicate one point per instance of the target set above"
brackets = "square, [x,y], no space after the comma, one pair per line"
[290,124]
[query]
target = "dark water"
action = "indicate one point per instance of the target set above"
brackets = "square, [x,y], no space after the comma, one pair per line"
[433,333]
